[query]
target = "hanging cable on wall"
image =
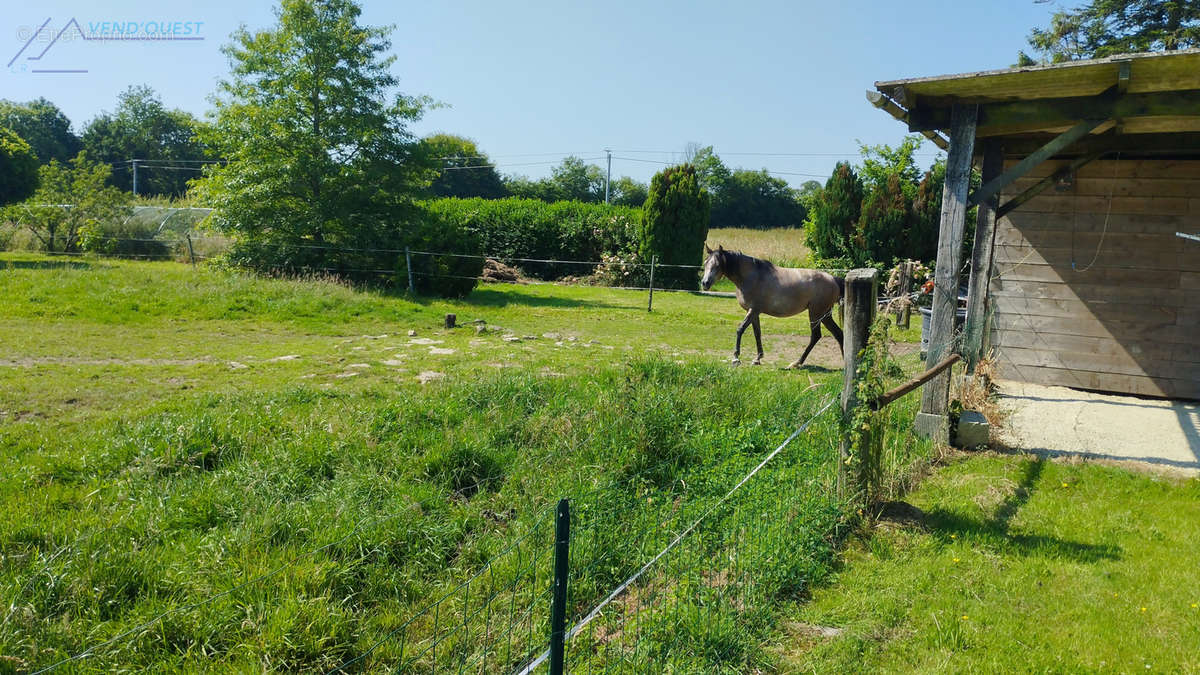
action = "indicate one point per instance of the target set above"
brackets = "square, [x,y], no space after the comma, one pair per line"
[1107,212]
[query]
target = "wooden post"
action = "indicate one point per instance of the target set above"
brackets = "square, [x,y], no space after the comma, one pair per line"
[981,260]
[905,314]
[862,291]
[408,266]
[932,422]
[650,302]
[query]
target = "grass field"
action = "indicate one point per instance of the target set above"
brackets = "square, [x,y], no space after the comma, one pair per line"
[783,247]
[1018,564]
[214,470]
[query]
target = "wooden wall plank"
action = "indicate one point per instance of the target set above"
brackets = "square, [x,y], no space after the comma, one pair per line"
[1097,293]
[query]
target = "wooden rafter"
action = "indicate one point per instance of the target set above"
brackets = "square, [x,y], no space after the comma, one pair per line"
[890,107]
[1040,155]
[1043,184]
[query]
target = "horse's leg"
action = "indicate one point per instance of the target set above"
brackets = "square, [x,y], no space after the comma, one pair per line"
[758,340]
[815,326]
[833,329]
[751,316]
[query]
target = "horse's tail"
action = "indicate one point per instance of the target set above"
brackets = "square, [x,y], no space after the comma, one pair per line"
[841,284]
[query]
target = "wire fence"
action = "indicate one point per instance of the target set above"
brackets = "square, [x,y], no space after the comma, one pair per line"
[665,574]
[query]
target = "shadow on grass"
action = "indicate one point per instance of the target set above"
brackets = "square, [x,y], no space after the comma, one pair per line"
[996,530]
[44,265]
[489,297]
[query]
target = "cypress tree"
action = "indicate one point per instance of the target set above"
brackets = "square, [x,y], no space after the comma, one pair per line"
[675,225]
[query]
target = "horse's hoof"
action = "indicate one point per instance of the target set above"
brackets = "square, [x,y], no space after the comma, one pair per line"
[794,365]
[735,362]
[756,362]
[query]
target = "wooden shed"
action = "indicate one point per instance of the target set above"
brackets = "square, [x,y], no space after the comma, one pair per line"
[1082,273]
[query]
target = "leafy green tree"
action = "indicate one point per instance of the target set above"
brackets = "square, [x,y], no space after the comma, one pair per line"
[832,221]
[462,170]
[884,228]
[881,162]
[527,188]
[807,188]
[573,180]
[18,168]
[43,126]
[1106,27]
[321,162]
[626,191]
[927,214]
[143,128]
[756,199]
[72,199]
[710,170]
[674,225]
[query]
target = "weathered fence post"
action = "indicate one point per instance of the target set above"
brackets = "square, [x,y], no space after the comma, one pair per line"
[981,260]
[862,291]
[558,606]
[933,421]
[905,313]
[650,303]
[191,253]
[408,266]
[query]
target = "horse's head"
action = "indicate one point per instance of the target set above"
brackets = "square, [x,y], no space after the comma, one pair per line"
[712,266]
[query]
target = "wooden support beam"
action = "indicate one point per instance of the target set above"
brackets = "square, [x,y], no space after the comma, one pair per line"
[1063,140]
[897,393]
[1043,184]
[1052,112]
[950,235]
[1123,77]
[1167,144]
[890,107]
[859,303]
[981,259]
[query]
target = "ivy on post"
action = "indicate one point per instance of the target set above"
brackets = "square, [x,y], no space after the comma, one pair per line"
[862,290]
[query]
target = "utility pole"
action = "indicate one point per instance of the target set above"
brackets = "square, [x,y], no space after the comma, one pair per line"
[607,176]
[135,177]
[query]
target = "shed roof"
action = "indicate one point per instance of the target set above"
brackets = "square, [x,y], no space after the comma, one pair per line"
[1141,95]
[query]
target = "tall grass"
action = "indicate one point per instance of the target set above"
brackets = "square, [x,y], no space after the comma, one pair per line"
[784,247]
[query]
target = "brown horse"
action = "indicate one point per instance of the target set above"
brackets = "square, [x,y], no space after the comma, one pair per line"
[763,288]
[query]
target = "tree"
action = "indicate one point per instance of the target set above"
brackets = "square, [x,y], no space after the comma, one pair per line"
[626,191]
[756,199]
[675,225]
[462,170]
[927,214]
[1106,27]
[18,168]
[70,199]
[881,162]
[833,219]
[710,170]
[43,126]
[321,162]
[142,128]
[572,180]
[884,228]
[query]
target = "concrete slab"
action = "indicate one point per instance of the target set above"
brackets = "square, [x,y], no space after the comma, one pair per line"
[1059,420]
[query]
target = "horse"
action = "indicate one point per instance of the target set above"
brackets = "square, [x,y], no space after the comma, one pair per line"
[763,288]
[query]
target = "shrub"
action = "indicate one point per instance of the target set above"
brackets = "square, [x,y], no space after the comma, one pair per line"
[452,274]
[675,225]
[835,214]
[533,229]
[884,225]
[134,237]
[18,168]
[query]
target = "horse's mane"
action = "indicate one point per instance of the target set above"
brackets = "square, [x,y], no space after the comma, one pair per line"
[737,256]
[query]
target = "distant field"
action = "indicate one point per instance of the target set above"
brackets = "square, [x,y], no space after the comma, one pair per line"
[784,247]
[168,434]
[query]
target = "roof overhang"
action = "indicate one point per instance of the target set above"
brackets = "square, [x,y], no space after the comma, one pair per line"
[1147,102]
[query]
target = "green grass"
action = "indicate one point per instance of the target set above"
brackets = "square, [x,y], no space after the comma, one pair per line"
[1021,564]
[784,247]
[169,434]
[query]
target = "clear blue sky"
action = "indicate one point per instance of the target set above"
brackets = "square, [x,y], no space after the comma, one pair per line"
[534,81]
